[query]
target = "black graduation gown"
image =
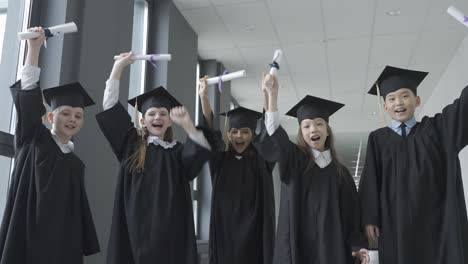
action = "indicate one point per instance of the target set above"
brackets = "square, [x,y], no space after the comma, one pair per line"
[153,219]
[412,189]
[47,217]
[242,220]
[319,209]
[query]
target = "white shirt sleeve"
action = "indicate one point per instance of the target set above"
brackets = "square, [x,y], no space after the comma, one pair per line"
[111,94]
[200,139]
[272,122]
[30,77]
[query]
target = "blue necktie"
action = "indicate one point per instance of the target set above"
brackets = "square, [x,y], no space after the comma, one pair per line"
[403,129]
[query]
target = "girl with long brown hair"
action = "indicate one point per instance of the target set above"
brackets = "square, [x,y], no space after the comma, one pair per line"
[152,220]
[242,204]
[319,211]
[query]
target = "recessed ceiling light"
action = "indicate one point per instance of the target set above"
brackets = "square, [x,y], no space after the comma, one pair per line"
[249,27]
[394,12]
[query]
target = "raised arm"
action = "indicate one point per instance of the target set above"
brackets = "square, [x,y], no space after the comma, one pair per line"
[111,93]
[215,137]
[26,93]
[196,151]
[114,121]
[453,122]
[205,102]
[274,144]
[34,47]
[265,93]
[263,142]
[270,89]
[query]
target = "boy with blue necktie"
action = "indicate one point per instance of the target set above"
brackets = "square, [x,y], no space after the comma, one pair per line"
[411,189]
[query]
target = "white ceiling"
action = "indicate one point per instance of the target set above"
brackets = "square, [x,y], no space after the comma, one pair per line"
[332,48]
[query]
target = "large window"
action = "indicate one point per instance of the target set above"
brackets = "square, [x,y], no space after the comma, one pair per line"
[3,16]
[139,46]
[11,58]
[195,182]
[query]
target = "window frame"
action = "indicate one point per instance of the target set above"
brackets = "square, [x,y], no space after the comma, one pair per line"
[12,59]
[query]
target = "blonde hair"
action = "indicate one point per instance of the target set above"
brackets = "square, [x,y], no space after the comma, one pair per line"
[56,111]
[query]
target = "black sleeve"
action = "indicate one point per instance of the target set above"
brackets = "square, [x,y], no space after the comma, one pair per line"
[278,147]
[30,110]
[203,122]
[264,144]
[453,122]
[214,136]
[90,241]
[193,157]
[218,146]
[116,125]
[283,251]
[119,248]
[216,141]
[350,212]
[369,186]
[269,219]
[270,166]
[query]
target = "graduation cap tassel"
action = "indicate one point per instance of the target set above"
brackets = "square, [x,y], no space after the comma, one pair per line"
[44,117]
[225,132]
[137,123]
[137,160]
[265,97]
[382,116]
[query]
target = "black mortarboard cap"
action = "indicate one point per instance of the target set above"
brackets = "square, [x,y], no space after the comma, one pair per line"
[393,79]
[311,107]
[243,117]
[158,97]
[71,94]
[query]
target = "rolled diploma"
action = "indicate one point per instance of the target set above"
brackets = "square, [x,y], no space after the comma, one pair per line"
[227,77]
[156,57]
[457,14]
[63,28]
[277,59]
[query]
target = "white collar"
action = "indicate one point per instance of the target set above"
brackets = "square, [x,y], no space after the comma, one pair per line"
[65,148]
[157,141]
[322,159]
[409,123]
